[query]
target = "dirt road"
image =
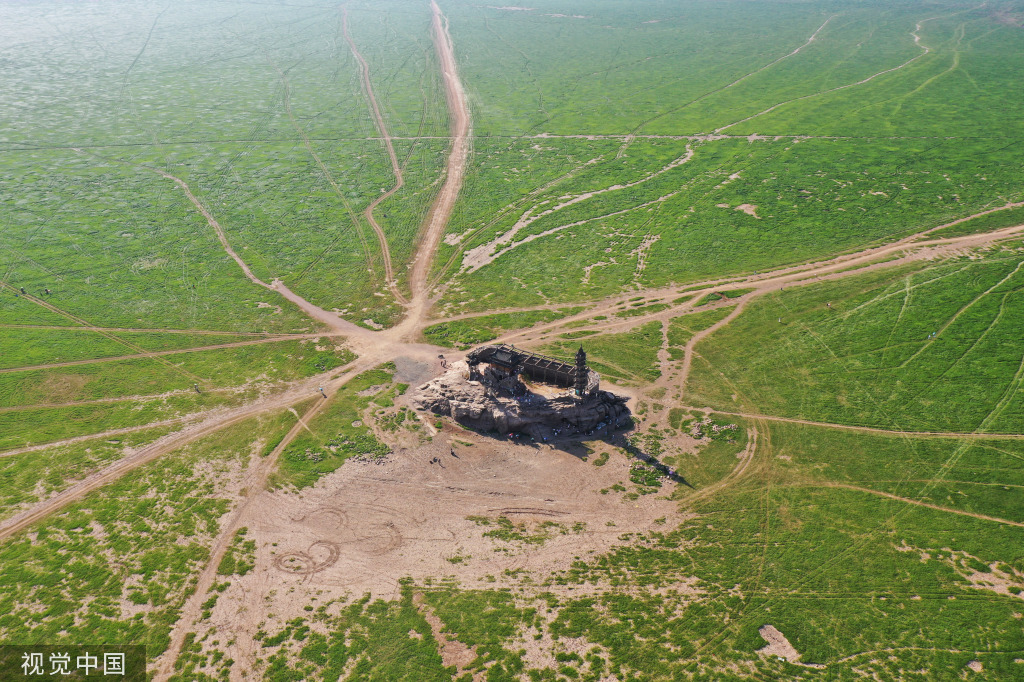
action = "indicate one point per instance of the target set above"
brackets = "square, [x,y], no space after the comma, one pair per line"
[912,248]
[437,219]
[973,435]
[376,347]
[256,480]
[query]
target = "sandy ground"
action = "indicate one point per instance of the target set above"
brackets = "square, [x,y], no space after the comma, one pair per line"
[779,646]
[362,528]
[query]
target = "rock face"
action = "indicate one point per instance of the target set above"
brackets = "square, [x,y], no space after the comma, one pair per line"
[509,406]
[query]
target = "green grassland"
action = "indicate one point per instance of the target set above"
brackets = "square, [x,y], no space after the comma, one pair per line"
[630,356]
[28,477]
[622,70]
[338,432]
[126,249]
[117,565]
[132,392]
[279,361]
[676,71]
[986,223]
[392,640]
[857,162]
[269,126]
[30,427]
[927,348]
[383,640]
[979,476]
[28,347]
[812,197]
[786,561]
[961,84]
[476,330]
[616,146]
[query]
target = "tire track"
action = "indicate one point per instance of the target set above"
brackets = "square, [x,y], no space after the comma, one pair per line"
[688,349]
[364,69]
[257,480]
[323,169]
[726,87]
[911,501]
[148,354]
[974,435]
[91,436]
[900,252]
[485,254]
[917,42]
[213,223]
[99,330]
[317,313]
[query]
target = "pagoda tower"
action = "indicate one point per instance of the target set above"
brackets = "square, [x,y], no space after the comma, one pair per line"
[582,373]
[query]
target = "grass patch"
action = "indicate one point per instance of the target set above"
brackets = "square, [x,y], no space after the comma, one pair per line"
[719,295]
[372,639]
[930,348]
[629,356]
[138,541]
[339,432]
[28,477]
[504,529]
[577,335]
[240,557]
[642,310]
[476,330]
[986,223]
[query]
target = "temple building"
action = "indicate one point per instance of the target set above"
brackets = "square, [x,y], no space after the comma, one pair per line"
[509,361]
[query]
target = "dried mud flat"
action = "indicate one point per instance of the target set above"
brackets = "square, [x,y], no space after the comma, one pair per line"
[369,524]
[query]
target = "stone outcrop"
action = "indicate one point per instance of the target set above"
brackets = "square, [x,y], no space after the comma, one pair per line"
[508,406]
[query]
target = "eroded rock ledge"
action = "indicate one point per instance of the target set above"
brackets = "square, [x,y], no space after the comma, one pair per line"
[506,405]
